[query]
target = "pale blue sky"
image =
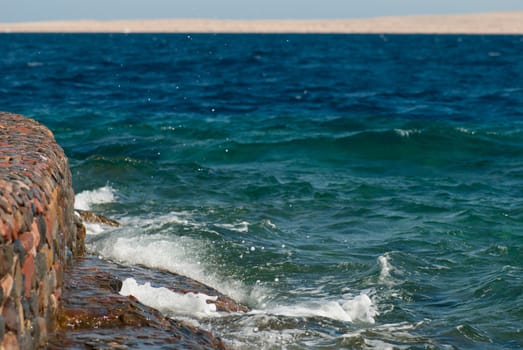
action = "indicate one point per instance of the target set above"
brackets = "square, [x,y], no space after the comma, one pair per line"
[35,10]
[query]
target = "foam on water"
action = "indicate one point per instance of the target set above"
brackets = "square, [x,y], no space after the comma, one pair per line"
[406,132]
[385,268]
[85,199]
[148,241]
[169,302]
[94,228]
[241,227]
[357,309]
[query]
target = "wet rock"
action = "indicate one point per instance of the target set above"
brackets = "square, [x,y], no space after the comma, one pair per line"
[94,315]
[88,216]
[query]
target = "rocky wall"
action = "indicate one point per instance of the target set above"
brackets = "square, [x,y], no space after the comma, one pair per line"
[39,233]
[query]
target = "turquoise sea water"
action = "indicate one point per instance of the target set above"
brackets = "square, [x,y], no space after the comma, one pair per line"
[355,191]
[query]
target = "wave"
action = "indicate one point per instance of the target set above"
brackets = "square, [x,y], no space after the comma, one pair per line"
[169,302]
[434,146]
[86,199]
[161,241]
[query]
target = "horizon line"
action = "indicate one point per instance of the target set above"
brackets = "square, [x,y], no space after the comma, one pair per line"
[469,23]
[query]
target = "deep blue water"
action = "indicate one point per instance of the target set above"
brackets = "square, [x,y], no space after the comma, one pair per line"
[356,191]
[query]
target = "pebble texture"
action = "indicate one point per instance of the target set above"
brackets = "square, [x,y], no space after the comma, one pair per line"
[39,233]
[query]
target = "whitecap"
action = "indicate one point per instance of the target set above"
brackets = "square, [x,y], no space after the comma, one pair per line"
[466,131]
[241,227]
[358,309]
[182,255]
[169,302]
[85,199]
[406,132]
[385,268]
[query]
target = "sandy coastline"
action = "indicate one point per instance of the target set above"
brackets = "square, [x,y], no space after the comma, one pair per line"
[482,23]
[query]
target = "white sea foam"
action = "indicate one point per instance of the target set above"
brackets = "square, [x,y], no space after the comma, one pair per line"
[241,227]
[357,309]
[159,241]
[466,131]
[400,330]
[92,228]
[85,199]
[169,302]
[269,224]
[149,241]
[406,132]
[385,268]
[34,64]
[180,255]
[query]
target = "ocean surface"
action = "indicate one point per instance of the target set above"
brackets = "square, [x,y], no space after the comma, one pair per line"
[355,191]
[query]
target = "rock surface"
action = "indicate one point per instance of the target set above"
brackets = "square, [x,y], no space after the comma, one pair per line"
[39,235]
[95,316]
[89,216]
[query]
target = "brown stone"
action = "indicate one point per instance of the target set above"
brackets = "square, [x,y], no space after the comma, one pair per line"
[11,316]
[18,279]
[36,233]
[41,266]
[28,242]
[95,316]
[37,230]
[59,274]
[50,220]
[7,285]
[6,228]
[41,333]
[43,294]
[10,342]
[6,259]
[88,216]
[28,270]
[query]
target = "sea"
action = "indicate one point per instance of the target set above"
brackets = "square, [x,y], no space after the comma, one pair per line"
[354,191]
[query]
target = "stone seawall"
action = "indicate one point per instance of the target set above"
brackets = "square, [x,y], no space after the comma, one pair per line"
[39,233]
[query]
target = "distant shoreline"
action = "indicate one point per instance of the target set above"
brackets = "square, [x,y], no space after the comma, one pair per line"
[481,23]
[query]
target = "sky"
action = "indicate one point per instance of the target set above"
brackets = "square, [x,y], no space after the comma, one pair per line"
[44,10]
